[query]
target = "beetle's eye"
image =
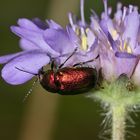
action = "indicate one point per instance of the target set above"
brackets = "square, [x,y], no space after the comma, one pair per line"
[41,71]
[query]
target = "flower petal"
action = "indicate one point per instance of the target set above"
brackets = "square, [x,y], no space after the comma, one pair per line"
[28,24]
[136,51]
[124,55]
[53,24]
[4,59]
[90,38]
[72,36]
[108,63]
[59,40]
[35,37]
[27,45]
[40,23]
[125,66]
[103,25]
[31,62]
[112,42]
[132,25]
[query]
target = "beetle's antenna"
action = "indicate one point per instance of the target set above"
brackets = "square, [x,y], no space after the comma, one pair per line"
[68,58]
[53,64]
[82,63]
[30,90]
[23,70]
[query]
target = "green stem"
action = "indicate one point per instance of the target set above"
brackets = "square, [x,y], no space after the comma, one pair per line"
[118,122]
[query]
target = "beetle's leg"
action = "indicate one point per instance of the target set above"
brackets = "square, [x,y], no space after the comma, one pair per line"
[82,63]
[53,64]
[68,58]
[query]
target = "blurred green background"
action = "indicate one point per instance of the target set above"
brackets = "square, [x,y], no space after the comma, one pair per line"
[45,116]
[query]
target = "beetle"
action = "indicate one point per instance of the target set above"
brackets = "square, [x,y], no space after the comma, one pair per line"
[69,80]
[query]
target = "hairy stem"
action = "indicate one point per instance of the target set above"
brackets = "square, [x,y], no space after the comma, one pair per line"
[118,122]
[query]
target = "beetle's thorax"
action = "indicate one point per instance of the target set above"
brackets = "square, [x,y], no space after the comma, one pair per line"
[47,80]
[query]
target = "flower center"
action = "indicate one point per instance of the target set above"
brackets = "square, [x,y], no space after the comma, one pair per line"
[124,44]
[114,34]
[83,36]
[125,47]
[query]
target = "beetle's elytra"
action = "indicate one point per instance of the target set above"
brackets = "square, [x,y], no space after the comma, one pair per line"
[69,80]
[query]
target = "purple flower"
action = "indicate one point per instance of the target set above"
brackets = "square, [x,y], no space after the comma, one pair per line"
[119,42]
[43,41]
[40,42]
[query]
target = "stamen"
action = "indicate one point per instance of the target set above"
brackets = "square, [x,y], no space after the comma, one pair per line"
[130,8]
[118,14]
[71,21]
[129,50]
[114,34]
[124,13]
[109,11]
[84,42]
[83,39]
[135,8]
[94,14]
[119,6]
[126,47]
[82,31]
[82,12]
[105,8]
[77,30]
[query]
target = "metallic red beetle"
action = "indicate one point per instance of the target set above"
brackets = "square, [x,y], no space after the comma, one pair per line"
[69,80]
